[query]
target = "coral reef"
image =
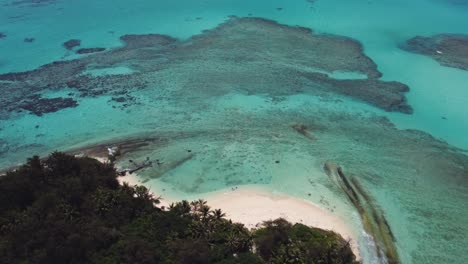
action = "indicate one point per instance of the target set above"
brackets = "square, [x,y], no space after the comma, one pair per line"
[235,55]
[450,50]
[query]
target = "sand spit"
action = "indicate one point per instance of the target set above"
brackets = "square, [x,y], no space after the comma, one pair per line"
[251,205]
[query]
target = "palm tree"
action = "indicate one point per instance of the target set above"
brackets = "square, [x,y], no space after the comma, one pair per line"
[239,239]
[204,211]
[181,208]
[197,206]
[218,214]
[143,193]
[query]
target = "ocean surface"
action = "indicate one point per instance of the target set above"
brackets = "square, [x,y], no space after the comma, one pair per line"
[217,110]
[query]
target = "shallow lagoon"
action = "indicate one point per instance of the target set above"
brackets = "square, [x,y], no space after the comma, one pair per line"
[236,138]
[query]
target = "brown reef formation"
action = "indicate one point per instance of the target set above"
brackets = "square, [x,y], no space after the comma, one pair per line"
[246,55]
[40,106]
[71,44]
[450,50]
[372,218]
[89,50]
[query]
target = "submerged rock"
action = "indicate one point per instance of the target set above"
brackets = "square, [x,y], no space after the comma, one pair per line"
[72,43]
[29,40]
[372,218]
[120,99]
[40,106]
[450,50]
[303,130]
[149,40]
[90,50]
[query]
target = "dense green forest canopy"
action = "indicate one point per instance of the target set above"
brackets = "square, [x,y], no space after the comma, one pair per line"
[65,209]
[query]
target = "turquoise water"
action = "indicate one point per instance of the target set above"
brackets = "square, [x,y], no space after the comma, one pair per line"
[236,137]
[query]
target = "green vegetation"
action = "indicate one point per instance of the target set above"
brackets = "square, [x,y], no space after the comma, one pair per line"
[282,242]
[73,210]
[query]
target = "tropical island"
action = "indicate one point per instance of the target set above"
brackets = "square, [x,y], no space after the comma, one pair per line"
[67,209]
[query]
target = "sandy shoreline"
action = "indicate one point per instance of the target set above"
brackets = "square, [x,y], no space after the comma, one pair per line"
[251,205]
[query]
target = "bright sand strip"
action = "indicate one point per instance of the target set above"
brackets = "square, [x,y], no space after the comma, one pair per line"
[251,205]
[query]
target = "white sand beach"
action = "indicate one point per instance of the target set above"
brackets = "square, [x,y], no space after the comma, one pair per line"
[251,205]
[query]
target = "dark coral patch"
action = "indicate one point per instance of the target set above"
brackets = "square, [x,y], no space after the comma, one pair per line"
[124,101]
[120,99]
[148,40]
[71,44]
[386,95]
[40,106]
[450,50]
[89,50]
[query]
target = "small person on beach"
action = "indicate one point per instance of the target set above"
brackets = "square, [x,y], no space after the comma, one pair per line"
[113,153]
